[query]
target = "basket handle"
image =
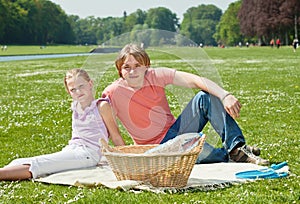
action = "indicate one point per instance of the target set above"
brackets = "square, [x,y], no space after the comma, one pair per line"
[200,143]
[105,146]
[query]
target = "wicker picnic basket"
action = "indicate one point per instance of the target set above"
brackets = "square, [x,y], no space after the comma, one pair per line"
[160,170]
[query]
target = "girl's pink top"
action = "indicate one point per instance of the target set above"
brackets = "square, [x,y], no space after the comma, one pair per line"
[88,127]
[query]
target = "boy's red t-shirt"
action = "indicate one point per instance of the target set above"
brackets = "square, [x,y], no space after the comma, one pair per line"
[145,113]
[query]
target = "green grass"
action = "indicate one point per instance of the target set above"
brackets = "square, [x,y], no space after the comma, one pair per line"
[35,119]
[51,49]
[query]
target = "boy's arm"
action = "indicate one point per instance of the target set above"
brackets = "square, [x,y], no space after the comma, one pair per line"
[110,122]
[231,104]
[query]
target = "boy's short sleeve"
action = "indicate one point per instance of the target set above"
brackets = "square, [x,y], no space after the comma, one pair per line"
[163,76]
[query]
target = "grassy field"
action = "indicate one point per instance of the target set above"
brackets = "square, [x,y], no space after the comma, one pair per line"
[53,49]
[35,119]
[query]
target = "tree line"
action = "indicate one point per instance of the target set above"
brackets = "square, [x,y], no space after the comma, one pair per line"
[44,22]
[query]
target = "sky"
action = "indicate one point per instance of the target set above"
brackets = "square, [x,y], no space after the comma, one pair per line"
[116,8]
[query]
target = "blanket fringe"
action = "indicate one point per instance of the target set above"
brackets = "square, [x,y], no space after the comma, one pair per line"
[167,190]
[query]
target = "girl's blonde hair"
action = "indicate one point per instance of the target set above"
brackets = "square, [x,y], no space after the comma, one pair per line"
[72,74]
[136,51]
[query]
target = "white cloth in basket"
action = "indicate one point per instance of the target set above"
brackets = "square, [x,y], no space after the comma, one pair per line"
[180,144]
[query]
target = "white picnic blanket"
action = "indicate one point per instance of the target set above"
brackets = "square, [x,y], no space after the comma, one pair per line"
[203,177]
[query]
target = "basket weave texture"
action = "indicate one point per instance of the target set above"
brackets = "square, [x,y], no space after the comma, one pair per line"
[161,170]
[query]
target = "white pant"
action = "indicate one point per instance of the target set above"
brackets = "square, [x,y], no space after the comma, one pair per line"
[70,157]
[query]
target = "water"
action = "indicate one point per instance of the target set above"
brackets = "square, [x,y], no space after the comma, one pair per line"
[33,57]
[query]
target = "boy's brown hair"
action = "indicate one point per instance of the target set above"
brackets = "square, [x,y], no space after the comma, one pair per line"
[136,51]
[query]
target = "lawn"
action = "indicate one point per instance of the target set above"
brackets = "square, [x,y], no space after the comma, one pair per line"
[35,118]
[51,49]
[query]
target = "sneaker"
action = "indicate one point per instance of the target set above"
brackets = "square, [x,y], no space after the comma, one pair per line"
[242,154]
[255,150]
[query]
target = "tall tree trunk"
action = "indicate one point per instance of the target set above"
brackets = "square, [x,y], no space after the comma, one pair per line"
[296,31]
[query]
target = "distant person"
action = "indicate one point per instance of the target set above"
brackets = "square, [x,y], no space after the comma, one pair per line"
[247,44]
[4,47]
[139,100]
[272,43]
[92,119]
[278,43]
[295,44]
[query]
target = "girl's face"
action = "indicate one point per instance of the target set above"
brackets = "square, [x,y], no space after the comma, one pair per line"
[80,89]
[133,72]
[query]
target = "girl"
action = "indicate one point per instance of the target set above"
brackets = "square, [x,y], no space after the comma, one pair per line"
[91,120]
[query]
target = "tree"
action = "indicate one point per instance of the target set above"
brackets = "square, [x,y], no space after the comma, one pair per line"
[228,29]
[199,23]
[268,19]
[290,15]
[110,27]
[34,22]
[161,18]
[14,22]
[54,26]
[4,16]
[86,29]
[135,18]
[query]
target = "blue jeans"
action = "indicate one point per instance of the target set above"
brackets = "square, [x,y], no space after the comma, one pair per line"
[205,108]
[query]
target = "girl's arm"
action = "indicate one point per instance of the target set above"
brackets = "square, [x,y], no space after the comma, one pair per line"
[231,104]
[110,122]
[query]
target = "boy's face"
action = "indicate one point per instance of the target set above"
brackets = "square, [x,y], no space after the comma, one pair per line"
[133,72]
